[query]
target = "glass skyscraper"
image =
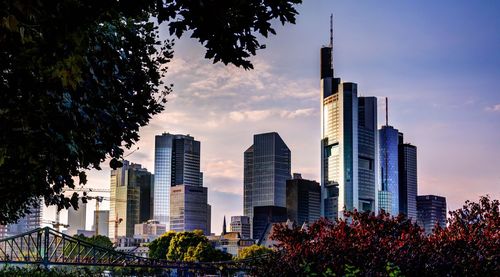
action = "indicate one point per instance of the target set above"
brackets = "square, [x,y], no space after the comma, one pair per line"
[407,171]
[349,137]
[388,139]
[431,209]
[267,166]
[188,209]
[303,198]
[177,162]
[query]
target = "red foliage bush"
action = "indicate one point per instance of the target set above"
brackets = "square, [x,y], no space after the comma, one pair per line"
[376,245]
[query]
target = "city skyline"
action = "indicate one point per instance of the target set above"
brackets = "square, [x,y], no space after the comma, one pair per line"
[430,112]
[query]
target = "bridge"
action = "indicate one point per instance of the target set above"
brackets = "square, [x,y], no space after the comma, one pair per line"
[46,246]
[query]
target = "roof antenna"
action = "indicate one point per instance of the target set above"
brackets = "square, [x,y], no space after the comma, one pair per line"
[386,112]
[331,30]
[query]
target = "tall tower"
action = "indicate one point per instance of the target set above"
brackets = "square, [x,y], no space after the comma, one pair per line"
[389,193]
[407,170]
[267,166]
[177,162]
[339,139]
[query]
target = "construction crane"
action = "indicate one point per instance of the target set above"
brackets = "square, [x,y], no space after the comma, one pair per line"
[55,224]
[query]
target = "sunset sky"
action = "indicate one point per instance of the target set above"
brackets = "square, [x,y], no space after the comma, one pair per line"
[437,61]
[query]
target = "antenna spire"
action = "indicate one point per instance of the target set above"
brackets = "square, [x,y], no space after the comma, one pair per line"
[386,112]
[331,30]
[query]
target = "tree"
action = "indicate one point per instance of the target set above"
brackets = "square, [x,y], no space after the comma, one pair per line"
[158,248]
[98,240]
[79,78]
[364,244]
[254,251]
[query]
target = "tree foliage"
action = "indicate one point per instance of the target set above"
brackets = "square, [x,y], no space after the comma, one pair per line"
[254,251]
[98,240]
[187,247]
[377,245]
[79,78]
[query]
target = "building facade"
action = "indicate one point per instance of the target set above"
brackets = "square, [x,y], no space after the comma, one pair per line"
[303,198]
[77,218]
[368,160]
[177,162]
[408,181]
[267,166]
[101,223]
[264,216]
[388,139]
[240,224]
[130,191]
[431,210]
[30,221]
[149,230]
[188,209]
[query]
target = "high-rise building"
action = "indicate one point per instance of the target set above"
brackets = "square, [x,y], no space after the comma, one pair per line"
[431,210]
[407,170]
[130,199]
[77,218]
[267,166]
[367,153]
[177,162]
[188,209]
[241,224]
[303,198]
[263,216]
[30,221]
[388,138]
[101,223]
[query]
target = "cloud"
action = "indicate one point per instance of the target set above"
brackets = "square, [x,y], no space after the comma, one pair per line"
[297,113]
[494,108]
[259,115]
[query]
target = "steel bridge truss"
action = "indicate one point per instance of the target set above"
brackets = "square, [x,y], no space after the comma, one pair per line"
[46,246]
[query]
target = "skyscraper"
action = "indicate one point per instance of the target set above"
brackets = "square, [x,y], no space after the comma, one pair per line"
[177,162]
[303,199]
[77,218]
[241,224]
[30,221]
[367,153]
[264,216]
[407,170]
[431,210]
[389,177]
[130,190]
[267,166]
[188,209]
[101,223]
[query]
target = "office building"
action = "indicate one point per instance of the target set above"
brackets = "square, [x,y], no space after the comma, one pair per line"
[130,199]
[240,224]
[431,210]
[267,166]
[303,198]
[263,216]
[367,153]
[149,231]
[388,138]
[77,218]
[188,209]
[407,170]
[177,162]
[101,224]
[30,221]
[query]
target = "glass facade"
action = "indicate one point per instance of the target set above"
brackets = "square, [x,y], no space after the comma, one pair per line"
[177,162]
[388,139]
[265,215]
[431,210]
[267,166]
[303,198]
[240,224]
[407,179]
[130,190]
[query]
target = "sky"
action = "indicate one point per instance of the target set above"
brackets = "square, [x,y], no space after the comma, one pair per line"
[438,62]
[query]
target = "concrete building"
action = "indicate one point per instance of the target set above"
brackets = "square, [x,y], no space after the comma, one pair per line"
[102,227]
[408,181]
[431,210]
[303,198]
[267,166]
[130,199]
[188,209]
[149,230]
[77,218]
[241,225]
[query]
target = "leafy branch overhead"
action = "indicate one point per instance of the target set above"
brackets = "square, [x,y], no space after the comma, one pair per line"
[79,78]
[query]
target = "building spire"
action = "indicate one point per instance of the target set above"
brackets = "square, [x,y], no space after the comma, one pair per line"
[331,30]
[224,226]
[386,112]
